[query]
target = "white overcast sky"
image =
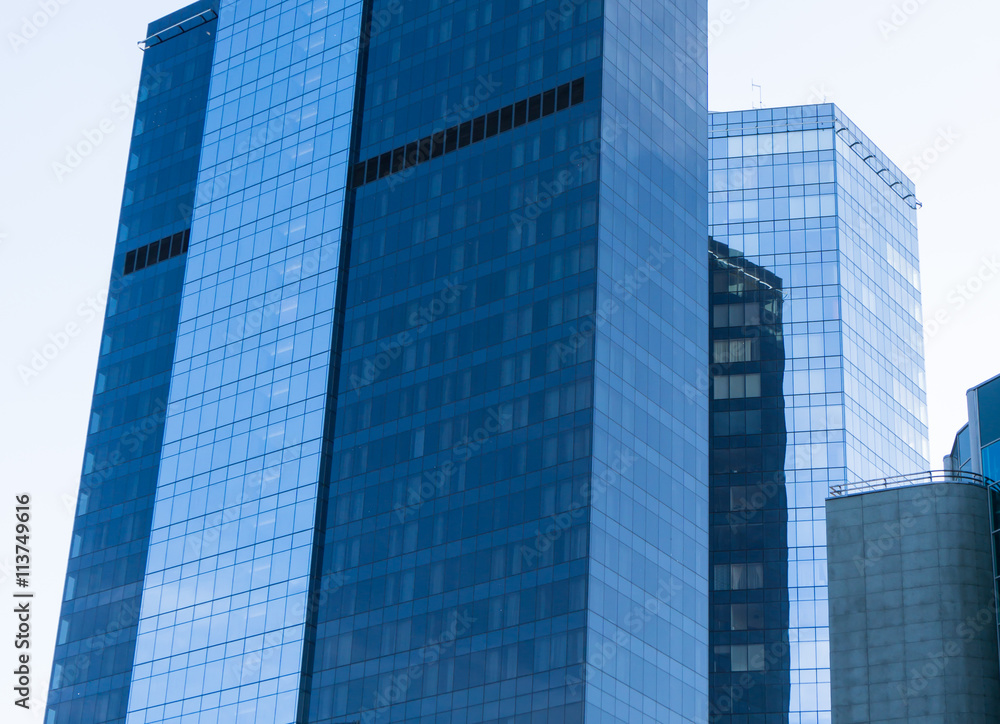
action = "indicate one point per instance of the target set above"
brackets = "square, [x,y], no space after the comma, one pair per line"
[908,73]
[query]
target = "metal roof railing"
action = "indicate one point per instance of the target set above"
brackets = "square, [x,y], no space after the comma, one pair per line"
[180,28]
[870,159]
[842,490]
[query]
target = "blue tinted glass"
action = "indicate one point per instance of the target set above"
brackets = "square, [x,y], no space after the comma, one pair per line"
[433,438]
[991,461]
[749,555]
[989,412]
[224,604]
[506,404]
[964,450]
[95,640]
[802,195]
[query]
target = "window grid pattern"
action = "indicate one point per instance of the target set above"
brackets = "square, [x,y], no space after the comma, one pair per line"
[478,129]
[647,624]
[453,584]
[224,597]
[160,250]
[97,625]
[789,194]
[749,651]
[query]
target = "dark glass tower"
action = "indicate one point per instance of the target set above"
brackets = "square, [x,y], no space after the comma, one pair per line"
[435,447]
[802,193]
[95,642]
[510,314]
[750,655]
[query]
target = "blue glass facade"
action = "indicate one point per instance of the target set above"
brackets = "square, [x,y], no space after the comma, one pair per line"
[977,445]
[976,451]
[100,611]
[750,662]
[402,412]
[474,464]
[648,591]
[459,430]
[804,194]
[987,404]
[223,620]
[435,444]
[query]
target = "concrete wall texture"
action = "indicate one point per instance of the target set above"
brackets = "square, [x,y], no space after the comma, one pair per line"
[913,634]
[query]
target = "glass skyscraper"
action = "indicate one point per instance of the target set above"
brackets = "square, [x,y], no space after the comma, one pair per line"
[814,210]
[95,641]
[413,329]
[977,444]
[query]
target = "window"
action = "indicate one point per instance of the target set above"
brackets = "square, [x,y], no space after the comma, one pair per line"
[157,251]
[738,576]
[469,132]
[739,658]
[989,412]
[746,616]
[736,315]
[748,658]
[735,387]
[728,351]
[991,461]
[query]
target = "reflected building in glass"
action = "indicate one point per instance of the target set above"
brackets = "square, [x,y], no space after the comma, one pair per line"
[803,195]
[748,535]
[428,450]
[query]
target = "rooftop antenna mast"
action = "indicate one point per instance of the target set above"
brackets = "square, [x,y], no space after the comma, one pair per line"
[760,95]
